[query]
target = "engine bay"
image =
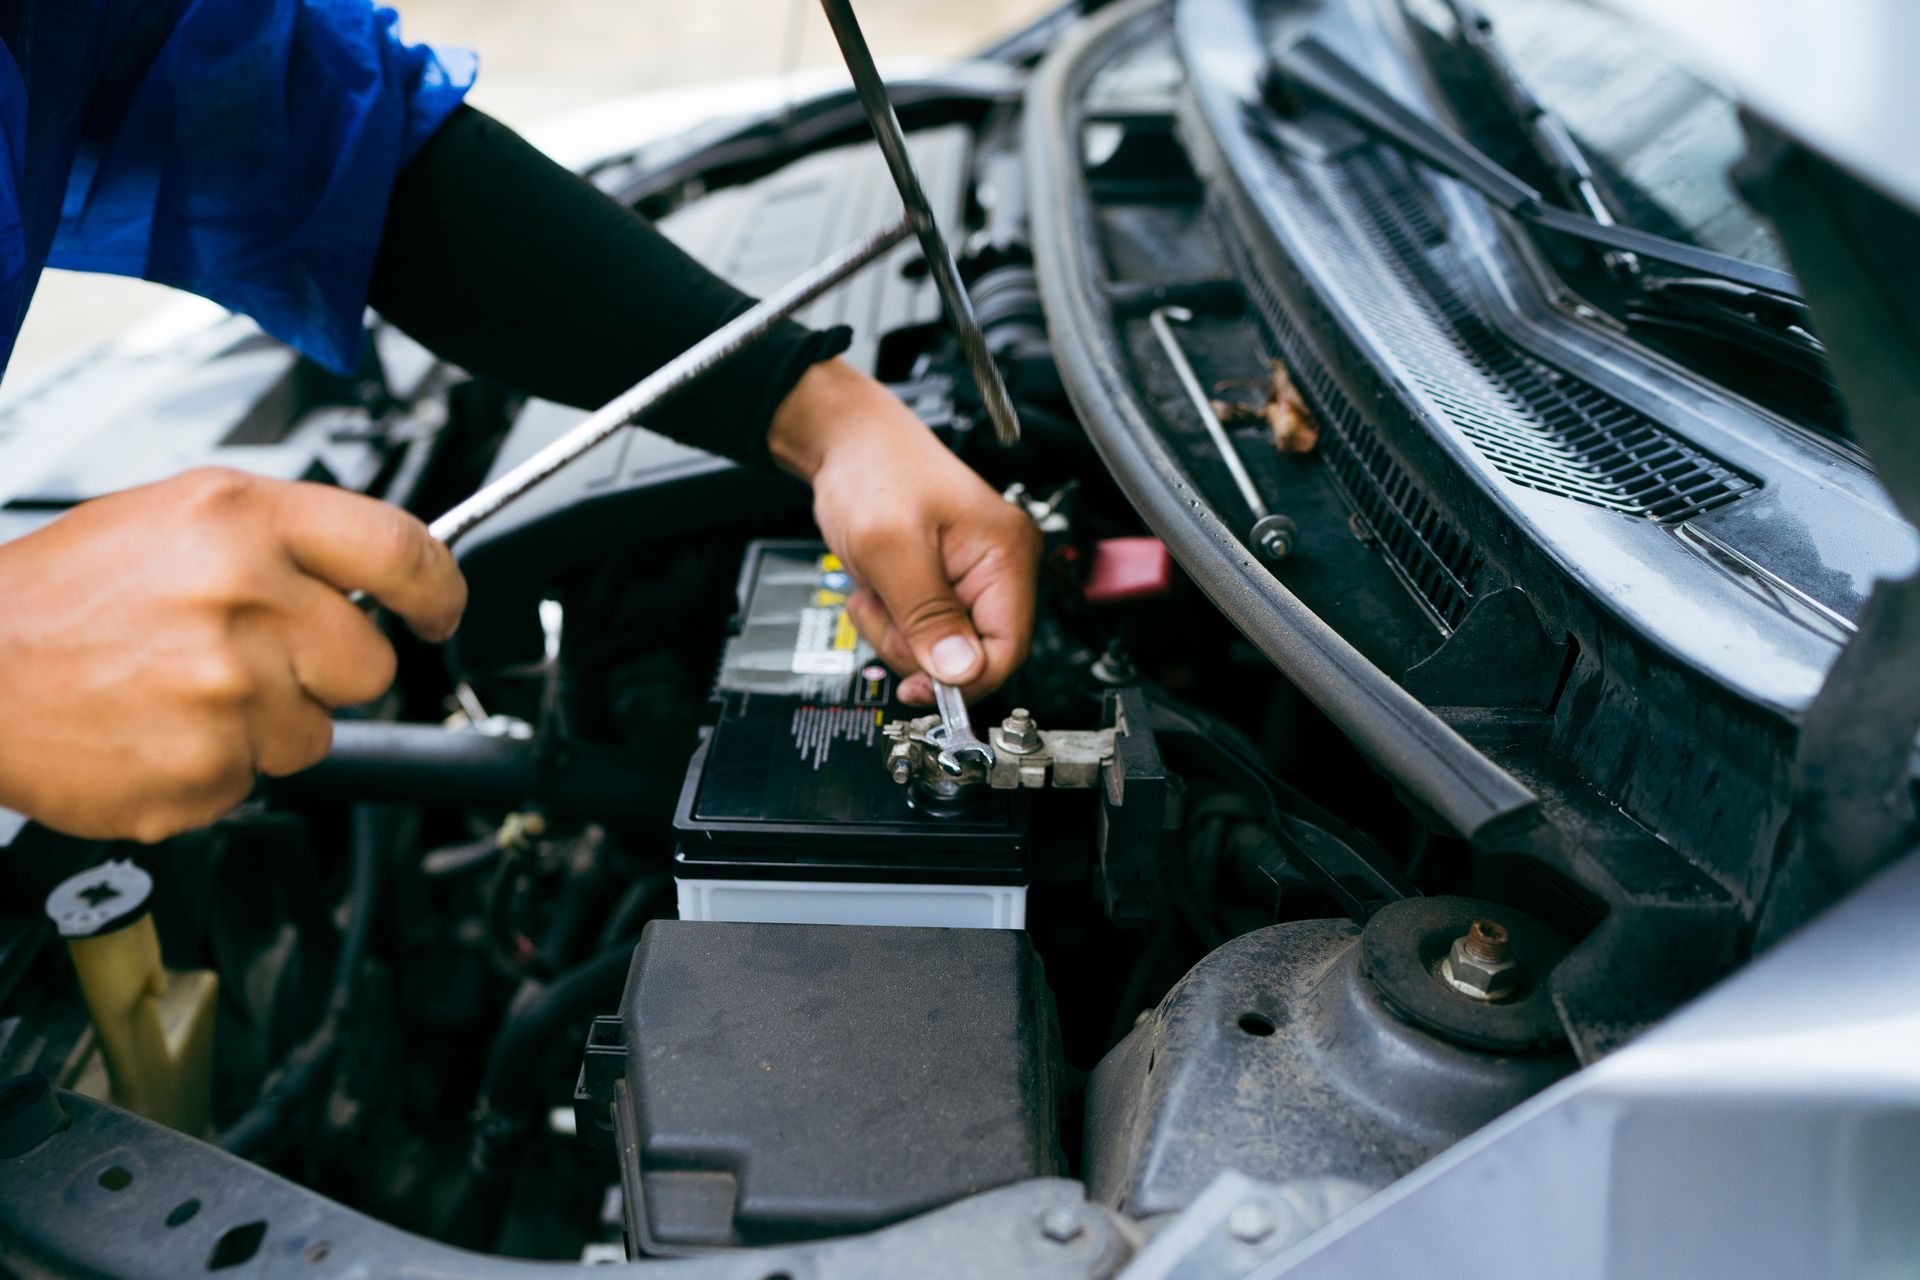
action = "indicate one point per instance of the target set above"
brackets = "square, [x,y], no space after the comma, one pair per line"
[646,922]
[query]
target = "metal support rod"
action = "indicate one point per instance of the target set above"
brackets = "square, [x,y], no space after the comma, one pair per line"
[872,91]
[691,364]
[1183,369]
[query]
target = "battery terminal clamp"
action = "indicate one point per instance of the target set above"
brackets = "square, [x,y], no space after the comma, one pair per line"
[1120,763]
[1023,755]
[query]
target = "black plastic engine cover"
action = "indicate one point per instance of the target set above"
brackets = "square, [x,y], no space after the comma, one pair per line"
[786,1082]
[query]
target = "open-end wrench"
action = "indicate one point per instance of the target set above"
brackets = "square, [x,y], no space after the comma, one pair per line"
[954,734]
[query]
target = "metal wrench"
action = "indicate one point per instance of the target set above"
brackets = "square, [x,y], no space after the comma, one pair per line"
[954,734]
[634,403]
[872,91]
[689,366]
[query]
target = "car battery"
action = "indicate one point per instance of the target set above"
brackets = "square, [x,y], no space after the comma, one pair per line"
[788,815]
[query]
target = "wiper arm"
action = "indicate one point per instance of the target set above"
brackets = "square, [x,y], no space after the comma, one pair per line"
[1311,66]
[1543,129]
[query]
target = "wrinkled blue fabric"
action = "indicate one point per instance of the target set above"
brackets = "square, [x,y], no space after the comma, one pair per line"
[240,149]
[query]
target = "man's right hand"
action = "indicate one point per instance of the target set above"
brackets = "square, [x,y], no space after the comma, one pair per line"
[161,647]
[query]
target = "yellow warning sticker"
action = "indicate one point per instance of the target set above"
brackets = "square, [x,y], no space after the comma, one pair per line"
[845,634]
[830,563]
[826,599]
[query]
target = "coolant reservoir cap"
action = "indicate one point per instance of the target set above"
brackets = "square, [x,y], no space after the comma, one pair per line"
[99,899]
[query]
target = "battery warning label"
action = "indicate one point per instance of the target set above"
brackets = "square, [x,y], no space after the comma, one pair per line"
[794,637]
[816,729]
[828,644]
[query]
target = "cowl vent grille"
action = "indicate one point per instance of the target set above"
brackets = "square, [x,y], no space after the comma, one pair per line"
[1369,229]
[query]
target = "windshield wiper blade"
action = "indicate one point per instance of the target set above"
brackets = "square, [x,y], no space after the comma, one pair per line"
[1758,322]
[1311,66]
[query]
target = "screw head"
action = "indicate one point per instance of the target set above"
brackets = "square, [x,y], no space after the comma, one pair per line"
[1250,1222]
[1061,1224]
[1114,666]
[902,769]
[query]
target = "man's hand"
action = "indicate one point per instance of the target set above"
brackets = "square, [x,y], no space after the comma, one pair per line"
[945,566]
[162,646]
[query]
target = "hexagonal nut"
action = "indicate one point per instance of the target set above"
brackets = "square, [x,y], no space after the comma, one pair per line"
[1481,979]
[1018,733]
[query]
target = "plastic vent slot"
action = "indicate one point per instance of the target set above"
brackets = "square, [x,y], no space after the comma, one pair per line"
[1429,554]
[1546,429]
[1367,227]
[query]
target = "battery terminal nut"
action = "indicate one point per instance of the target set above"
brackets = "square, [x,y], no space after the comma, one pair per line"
[1018,733]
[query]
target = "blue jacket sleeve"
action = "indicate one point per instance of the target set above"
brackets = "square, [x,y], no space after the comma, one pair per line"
[244,150]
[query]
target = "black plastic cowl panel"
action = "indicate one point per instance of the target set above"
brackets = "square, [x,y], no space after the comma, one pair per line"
[1441,772]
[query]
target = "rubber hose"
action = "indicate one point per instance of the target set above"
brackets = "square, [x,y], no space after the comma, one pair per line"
[305,1065]
[510,1089]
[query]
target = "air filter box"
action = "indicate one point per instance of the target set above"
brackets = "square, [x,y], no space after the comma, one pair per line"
[768,1083]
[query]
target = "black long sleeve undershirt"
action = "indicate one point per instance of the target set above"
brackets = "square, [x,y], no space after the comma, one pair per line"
[516,269]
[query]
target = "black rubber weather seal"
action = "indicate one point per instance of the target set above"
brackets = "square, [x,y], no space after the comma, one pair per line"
[1435,767]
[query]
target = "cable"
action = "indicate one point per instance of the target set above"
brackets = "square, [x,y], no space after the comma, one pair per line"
[510,1086]
[637,905]
[1304,829]
[301,1071]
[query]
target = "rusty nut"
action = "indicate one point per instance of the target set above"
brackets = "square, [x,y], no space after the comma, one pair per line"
[1480,964]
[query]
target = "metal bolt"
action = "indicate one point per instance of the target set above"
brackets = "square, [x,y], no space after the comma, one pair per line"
[902,769]
[1487,941]
[1250,1222]
[1062,1225]
[1273,537]
[1018,733]
[1114,666]
[1480,964]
